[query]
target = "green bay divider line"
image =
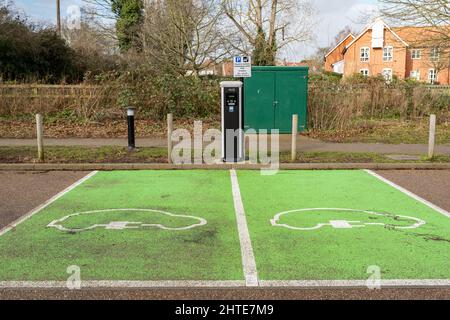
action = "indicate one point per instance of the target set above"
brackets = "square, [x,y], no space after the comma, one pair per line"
[248,257]
[46,204]
[409,193]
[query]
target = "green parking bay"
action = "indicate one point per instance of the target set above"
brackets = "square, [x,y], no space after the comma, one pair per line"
[186,226]
[36,252]
[403,248]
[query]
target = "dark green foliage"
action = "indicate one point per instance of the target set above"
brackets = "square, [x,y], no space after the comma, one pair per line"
[157,93]
[264,53]
[27,53]
[129,17]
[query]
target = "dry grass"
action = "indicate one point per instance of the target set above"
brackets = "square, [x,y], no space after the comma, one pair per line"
[83,102]
[105,129]
[341,107]
[387,131]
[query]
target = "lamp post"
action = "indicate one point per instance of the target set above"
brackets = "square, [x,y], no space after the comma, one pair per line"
[131,134]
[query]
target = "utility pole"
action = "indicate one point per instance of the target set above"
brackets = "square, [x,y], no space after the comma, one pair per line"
[58,17]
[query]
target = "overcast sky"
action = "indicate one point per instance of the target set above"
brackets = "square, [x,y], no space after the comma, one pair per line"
[333,15]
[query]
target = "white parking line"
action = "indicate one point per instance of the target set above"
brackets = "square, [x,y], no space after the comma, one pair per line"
[409,193]
[248,257]
[310,284]
[122,284]
[45,204]
[264,284]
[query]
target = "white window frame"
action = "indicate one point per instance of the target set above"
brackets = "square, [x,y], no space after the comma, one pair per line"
[415,74]
[362,54]
[364,72]
[386,56]
[435,54]
[432,76]
[416,54]
[391,74]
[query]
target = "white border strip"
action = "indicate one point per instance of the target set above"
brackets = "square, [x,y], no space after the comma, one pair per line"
[248,257]
[263,284]
[45,204]
[122,284]
[409,193]
[438,283]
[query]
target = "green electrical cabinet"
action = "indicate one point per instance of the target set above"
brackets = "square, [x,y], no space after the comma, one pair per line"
[272,95]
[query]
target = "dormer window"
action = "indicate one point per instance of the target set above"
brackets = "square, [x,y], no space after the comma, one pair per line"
[378,34]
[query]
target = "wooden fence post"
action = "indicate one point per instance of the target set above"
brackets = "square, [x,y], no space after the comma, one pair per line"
[294,137]
[169,137]
[40,137]
[432,138]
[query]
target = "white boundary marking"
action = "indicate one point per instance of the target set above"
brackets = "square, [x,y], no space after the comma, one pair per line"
[354,283]
[409,193]
[248,257]
[123,284]
[263,284]
[126,225]
[45,204]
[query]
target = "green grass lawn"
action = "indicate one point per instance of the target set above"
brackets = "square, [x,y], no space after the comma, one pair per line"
[341,254]
[35,252]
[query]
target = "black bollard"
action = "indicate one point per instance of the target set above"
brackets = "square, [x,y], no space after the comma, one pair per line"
[131,134]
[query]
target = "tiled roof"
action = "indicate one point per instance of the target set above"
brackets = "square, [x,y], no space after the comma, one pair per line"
[420,35]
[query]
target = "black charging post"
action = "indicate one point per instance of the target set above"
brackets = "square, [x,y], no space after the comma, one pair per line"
[131,134]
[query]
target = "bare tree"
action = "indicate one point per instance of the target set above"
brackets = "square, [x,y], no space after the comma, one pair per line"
[434,14]
[99,12]
[263,27]
[182,36]
[434,18]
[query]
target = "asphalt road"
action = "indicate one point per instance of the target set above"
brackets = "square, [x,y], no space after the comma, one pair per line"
[21,192]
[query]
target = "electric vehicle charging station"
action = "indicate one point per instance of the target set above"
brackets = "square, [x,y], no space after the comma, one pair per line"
[233,147]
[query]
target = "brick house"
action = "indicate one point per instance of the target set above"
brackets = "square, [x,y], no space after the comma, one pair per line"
[403,52]
[334,59]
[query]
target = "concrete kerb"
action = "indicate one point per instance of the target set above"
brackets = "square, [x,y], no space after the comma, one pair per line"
[162,166]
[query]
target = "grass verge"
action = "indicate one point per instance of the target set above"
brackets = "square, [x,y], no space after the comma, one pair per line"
[112,154]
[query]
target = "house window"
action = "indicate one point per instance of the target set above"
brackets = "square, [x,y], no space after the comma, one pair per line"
[432,76]
[364,72]
[415,74]
[416,54]
[387,74]
[434,54]
[365,54]
[388,54]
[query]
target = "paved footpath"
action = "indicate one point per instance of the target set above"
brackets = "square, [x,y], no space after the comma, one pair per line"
[304,145]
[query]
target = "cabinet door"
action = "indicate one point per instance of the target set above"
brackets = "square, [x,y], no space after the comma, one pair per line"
[288,99]
[259,98]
